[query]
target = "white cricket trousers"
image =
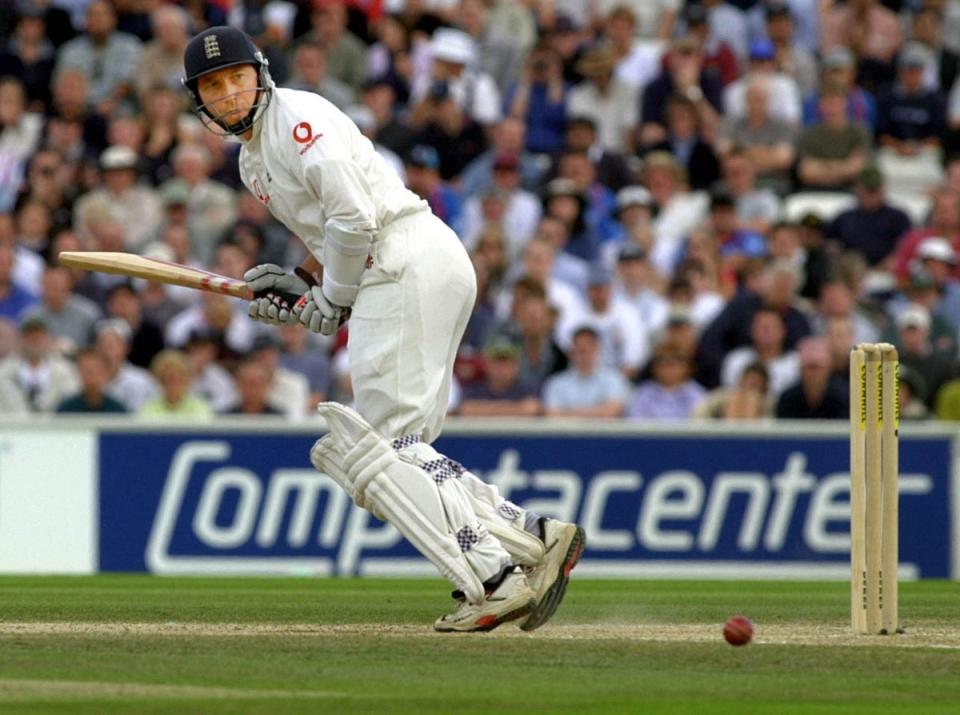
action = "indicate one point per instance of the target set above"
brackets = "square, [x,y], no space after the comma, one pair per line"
[410,314]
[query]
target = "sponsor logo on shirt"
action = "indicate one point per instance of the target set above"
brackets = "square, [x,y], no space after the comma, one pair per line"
[303,134]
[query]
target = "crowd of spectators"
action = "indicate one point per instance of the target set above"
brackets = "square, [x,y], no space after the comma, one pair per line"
[675,209]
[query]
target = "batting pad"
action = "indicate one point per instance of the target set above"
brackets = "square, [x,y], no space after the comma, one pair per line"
[500,517]
[368,469]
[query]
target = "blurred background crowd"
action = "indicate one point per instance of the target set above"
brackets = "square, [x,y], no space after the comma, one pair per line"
[675,209]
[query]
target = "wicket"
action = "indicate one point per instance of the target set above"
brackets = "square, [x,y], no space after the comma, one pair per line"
[874,471]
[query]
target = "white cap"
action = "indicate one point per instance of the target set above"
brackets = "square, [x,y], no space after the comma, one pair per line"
[452,45]
[634,196]
[115,325]
[914,316]
[938,249]
[118,157]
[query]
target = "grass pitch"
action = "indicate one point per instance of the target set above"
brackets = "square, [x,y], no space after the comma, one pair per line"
[139,644]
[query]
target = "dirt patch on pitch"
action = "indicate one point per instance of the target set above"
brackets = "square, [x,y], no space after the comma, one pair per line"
[918,636]
[16,690]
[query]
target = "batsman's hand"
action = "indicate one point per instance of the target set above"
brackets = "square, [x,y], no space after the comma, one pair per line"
[277,291]
[318,314]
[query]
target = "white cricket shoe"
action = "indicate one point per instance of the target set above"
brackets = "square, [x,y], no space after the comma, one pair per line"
[510,600]
[564,543]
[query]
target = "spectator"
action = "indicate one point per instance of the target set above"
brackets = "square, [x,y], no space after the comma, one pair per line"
[566,202]
[938,259]
[289,391]
[29,54]
[423,178]
[634,214]
[873,226]
[136,208]
[38,379]
[172,372]
[345,51]
[910,116]
[917,353]
[612,169]
[380,97]
[502,393]
[539,260]
[565,266]
[635,286]
[653,19]
[718,58]
[146,340]
[671,394]
[161,63]
[540,101]
[767,335]
[540,356]
[785,241]
[310,75]
[729,24]
[922,291]
[389,57]
[687,143]
[508,137]
[944,223]
[756,207]
[211,382]
[944,63]
[600,201]
[783,94]
[912,395]
[444,125]
[130,385]
[93,373]
[748,400]
[301,357]
[624,333]
[839,67]
[833,152]
[637,62]
[109,58]
[227,319]
[792,58]
[20,128]
[49,181]
[767,141]
[71,127]
[497,54]
[253,388]
[14,300]
[586,388]
[610,102]
[684,74]
[69,318]
[815,395]
[871,30]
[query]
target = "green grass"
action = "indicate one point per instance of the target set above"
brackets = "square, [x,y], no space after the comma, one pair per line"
[593,658]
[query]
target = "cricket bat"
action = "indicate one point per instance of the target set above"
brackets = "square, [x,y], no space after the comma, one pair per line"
[153,269]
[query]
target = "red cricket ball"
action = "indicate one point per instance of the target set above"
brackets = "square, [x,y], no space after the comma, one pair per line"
[738,630]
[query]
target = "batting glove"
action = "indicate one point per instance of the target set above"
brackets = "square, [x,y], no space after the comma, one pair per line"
[276,292]
[318,314]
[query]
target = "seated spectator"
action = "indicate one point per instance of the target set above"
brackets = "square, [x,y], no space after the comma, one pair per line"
[161,62]
[69,318]
[783,100]
[226,318]
[684,74]
[944,223]
[910,116]
[345,51]
[687,143]
[367,124]
[130,385]
[565,266]
[508,137]
[14,299]
[538,267]
[749,399]
[422,168]
[600,201]
[866,25]
[38,379]
[253,389]
[211,381]
[540,101]
[147,339]
[757,207]
[766,140]
[498,52]
[637,62]
[624,333]
[29,54]
[944,62]
[767,335]
[610,102]
[92,398]
[718,58]
[837,302]
[913,394]
[839,67]
[586,388]
[443,124]
[310,75]
[816,395]
[635,285]
[175,400]
[917,351]
[565,201]
[380,96]
[938,259]
[289,391]
[728,23]
[109,58]
[832,152]
[540,356]
[72,128]
[791,59]
[671,394]
[502,393]
[634,212]
[612,169]
[921,291]
[873,226]
[20,132]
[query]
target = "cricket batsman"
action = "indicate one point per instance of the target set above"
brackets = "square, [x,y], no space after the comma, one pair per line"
[378,256]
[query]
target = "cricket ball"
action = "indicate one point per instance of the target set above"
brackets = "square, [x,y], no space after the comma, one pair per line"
[738,630]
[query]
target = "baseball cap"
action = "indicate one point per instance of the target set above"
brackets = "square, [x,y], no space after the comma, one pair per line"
[913,316]
[599,275]
[33,323]
[265,341]
[425,156]
[454,46]
[631,252]
[501,347]
[870,178]
[777,9]
[837,58]
[913,55]
[679,315]
[722,199]
[634,196]
[175,192]
[762,49]
[118,157]
[115,325]
[937,249]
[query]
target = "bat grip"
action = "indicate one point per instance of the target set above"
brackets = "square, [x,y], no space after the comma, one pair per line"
[290,298]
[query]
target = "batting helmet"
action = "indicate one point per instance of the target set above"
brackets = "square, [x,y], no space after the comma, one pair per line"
[214,49]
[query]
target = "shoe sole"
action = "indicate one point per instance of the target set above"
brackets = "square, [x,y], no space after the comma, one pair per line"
[548,605]
[488,623]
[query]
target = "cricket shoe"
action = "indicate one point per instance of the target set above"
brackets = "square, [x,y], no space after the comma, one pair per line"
[564,543]
[508,599]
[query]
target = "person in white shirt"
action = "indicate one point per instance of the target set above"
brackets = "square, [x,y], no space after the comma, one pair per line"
[379,258]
